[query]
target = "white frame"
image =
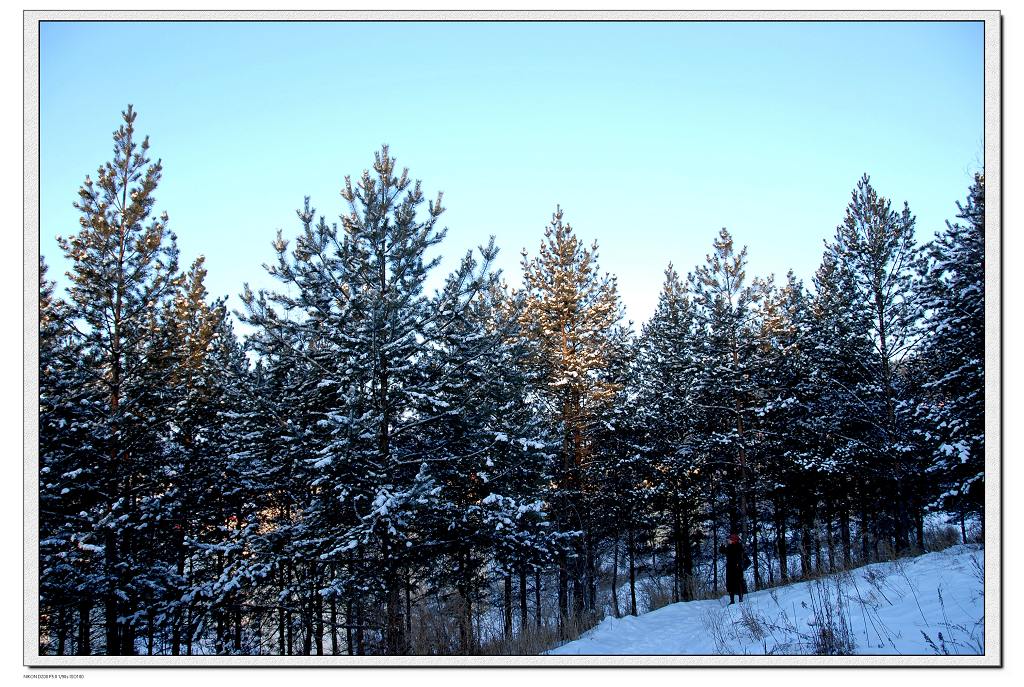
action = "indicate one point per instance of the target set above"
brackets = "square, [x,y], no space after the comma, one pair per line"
[993,329]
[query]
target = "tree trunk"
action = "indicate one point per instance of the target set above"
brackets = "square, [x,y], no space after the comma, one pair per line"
[753,539]
[864,537]
[523,610]
[318,622]
[919,525]
[687,546]
[676,552]
[128,637]
[615,575]
[188,628]
[289,632]
[829,535]
[844,532]
[536,596]
[816,532]
[281,645]
[149,633]
[877,534]
[591,576]
[84,628]
[113,645]
[393,632]
[360,635]
[507,606]
[632,573]
[467,618]
[349,645]
[62,629]
[714,551]
[334,626]
[805,541]
[281,634]
[563,593]
[218,644]
[578,585]
[780,541]
[408,610]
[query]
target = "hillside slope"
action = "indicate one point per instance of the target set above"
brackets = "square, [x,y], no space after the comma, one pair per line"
[931,604]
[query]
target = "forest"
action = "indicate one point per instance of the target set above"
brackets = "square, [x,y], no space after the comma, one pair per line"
[379,468]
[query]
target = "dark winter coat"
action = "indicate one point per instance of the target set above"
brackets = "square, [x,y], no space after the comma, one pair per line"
[736,561]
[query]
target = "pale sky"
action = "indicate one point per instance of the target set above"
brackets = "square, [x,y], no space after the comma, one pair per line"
[651,136]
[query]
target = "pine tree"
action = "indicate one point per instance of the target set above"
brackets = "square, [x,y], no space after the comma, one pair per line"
[665,409]
[797,465]
[68,400]
[875,247]
[570,313]
[953,356]
[309,402]
[201,504]
[355,330]
[123,268]
[485,454]
[273,483]
[725,316]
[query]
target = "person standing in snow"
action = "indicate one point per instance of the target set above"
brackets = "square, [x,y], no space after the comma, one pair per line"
[736,561]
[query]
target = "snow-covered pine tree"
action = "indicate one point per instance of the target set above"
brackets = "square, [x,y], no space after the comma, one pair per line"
[387,267]
[794,466]
[847,407]
[630,488]
[953,355]
[123,268]
[614,440]
[569,313]
[725,312]
[274,484]
[201,503]
[526,457]
[666,415]
[68,398]
[482,454]
[309,399]
[227,437]
[875,246]
[356,324]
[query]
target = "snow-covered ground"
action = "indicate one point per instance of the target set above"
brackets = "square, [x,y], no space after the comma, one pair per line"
[931,604]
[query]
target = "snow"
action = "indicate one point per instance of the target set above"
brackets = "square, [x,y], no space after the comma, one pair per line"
[931,604]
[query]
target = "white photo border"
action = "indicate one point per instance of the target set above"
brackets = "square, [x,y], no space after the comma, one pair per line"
[992,657]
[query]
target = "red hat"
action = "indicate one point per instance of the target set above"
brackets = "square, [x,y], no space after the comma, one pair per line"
[734,539]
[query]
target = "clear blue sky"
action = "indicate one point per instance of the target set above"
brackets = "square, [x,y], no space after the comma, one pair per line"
[651,136]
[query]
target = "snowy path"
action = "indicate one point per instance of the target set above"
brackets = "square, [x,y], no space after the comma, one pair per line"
[884,608]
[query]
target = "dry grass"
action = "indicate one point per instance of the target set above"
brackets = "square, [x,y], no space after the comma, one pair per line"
[655,593]
[536,640]
[832,633]
[941,537]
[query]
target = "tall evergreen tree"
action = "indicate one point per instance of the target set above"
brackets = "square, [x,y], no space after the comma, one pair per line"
[68,477]
[123,268]
[570,312]
[953,356]
[205,378]
[795,462]
[875,247]
[725,315]
[484,455]
[356,327]
[666,374]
